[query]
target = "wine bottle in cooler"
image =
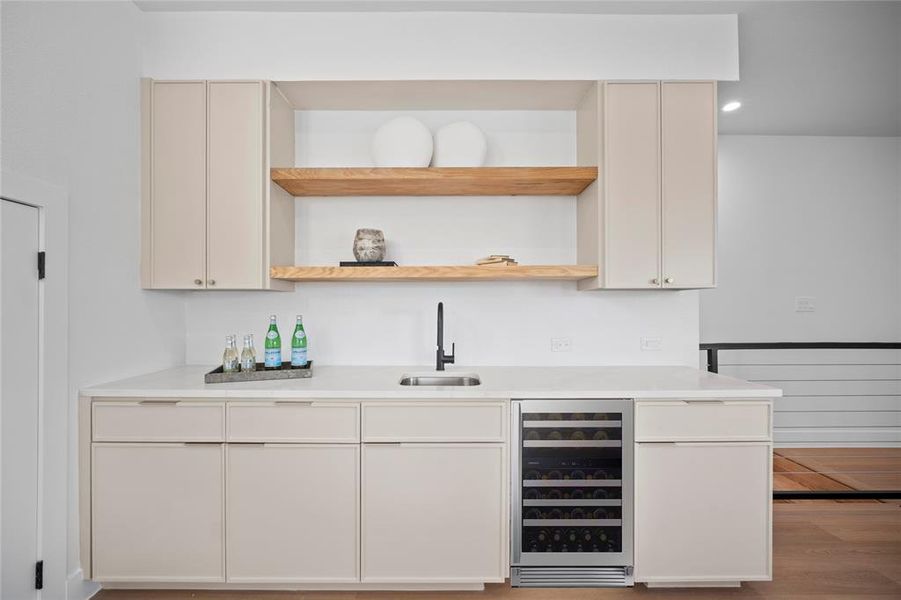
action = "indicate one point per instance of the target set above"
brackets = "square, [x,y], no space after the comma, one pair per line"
[533,513]
[557,536]
[273,352]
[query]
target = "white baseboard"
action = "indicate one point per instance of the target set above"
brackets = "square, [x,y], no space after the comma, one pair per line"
[77,588]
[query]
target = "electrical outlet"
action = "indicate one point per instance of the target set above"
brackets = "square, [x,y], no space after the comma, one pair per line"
[805,304]
[651,344]
[561,345]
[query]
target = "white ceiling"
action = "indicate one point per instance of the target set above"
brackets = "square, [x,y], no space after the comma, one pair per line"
[807,67]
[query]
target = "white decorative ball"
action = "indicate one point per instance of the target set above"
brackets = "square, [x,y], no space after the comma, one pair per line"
[402,142]
[459,144]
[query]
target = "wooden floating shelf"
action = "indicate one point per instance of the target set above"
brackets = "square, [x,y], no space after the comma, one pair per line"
[435,181]
[436,273]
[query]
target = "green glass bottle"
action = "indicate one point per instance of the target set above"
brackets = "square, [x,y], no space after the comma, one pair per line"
[299,345]
[273,355]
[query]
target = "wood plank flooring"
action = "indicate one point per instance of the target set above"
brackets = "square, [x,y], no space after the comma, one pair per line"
[821,551]
[837,468]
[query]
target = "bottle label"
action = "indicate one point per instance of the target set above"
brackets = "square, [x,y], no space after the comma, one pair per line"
[298,357]
[273,357]
[271,334]
[300,334]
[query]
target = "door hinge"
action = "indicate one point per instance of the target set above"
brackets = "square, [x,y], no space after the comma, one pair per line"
[39,572]
[42,261]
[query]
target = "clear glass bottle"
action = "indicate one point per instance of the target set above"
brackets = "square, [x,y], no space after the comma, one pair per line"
[273,355]
[248,354]
[299,345]
[230,356]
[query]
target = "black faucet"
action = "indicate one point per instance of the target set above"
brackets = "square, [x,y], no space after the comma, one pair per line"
[441,358]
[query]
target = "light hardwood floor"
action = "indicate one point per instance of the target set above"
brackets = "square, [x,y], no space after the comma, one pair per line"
[837,468]
[822,551]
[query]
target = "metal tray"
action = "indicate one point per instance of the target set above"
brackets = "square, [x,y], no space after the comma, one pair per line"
[261,374]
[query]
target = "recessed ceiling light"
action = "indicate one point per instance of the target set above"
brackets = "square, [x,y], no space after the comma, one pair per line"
[730,106]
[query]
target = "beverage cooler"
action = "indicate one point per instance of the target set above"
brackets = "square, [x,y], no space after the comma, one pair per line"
[571,493]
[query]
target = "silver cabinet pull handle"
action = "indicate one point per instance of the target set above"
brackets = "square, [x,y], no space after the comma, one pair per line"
[198,282]
[704,401]
[211,281]
[655,281]
[668,280]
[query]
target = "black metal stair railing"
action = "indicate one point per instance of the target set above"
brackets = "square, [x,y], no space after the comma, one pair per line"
[713,350]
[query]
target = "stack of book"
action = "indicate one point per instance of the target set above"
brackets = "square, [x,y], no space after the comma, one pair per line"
[498,260]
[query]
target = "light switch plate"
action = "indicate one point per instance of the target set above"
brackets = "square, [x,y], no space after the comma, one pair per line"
[805,304]
[651,344]
[561,345]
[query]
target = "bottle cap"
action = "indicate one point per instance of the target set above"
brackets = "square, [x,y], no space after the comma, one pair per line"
[299,318]
[272,317]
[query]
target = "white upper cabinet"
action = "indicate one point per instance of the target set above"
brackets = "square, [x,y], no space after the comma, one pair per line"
[176,182]
[235,185]
[688,151]
[632,175]
[210,217]
[650,220]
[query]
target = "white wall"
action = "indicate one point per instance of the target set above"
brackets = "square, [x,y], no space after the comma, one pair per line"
[373,46]
[492,323]
[806,216]
[70,117]
[818,217]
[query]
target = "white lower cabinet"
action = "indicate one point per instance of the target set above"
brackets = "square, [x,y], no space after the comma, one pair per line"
[434,513]
[157,512]
[293,512]
[703,512]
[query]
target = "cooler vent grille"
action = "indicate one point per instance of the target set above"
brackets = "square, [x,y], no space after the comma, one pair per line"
[571,577]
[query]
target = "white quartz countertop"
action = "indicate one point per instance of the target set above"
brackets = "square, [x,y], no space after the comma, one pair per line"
[336,382]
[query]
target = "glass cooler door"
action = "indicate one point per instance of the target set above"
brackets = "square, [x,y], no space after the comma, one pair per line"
[572,490]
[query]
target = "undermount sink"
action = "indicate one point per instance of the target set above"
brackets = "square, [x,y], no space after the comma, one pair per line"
[435,379]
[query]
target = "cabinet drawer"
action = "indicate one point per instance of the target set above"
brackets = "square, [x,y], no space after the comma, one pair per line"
[158,420]
[435,421]
[293,421]
[703,420]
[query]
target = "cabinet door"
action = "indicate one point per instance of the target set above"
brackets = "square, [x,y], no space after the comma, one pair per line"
[293,512]
[157,512]
[235,204]
[178,185]
[702,511]
[689,184]
[632,177]
[434,513]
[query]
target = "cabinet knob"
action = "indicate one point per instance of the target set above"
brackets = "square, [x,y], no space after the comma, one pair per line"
[198,282]
[655,281]
[211,281]
[668,280]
